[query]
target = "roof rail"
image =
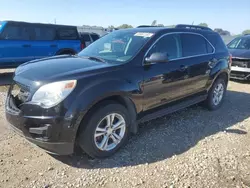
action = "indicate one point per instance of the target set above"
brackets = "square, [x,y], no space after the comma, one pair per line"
[184,26]
[146,26]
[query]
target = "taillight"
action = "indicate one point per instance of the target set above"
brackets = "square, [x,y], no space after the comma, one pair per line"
[82,46]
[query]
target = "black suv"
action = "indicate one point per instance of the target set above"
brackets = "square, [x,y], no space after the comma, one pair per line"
[96,98]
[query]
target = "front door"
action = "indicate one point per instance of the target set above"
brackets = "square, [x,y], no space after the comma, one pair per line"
[16,45]
[165,82]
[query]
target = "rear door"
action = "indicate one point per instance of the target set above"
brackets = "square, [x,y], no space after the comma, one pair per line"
[197,53]
[43,41]
[68,39]
[17,44]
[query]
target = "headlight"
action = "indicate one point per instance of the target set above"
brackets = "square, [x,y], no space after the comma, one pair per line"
[51,94]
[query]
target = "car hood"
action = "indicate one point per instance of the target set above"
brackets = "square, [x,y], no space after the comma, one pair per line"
[240,53]
[59,67]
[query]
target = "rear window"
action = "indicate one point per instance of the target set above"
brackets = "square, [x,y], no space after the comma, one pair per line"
[15,32]
[193,45]
[67,34]
[44,33]
[217,42]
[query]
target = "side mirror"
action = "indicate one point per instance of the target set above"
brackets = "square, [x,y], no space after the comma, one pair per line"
[157,58]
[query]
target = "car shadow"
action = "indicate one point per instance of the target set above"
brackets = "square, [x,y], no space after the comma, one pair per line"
[173,134]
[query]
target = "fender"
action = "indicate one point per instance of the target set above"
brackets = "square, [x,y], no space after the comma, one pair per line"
[98,91]
[220,68]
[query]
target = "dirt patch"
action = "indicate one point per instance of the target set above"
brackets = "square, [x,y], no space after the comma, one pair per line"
[190,148]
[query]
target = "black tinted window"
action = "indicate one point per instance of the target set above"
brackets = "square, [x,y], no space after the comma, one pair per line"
[85,37]
[217,42]
[94,37]
[169,45]
[67,34]
[209,48]
[193,45]
[12,32]
[43,33]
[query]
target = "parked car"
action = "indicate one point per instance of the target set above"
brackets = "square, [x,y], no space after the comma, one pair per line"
[87,38]
[21,42]
[240,50]
[98,97]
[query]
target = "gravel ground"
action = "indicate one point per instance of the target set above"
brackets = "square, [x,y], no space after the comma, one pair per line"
[190,148]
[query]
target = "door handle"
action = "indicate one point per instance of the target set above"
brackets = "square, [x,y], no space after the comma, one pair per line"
[53,45]
[183,67]
[26,45]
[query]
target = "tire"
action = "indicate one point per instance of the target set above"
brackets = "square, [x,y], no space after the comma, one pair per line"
[98,118]
[210,102]
[66,53]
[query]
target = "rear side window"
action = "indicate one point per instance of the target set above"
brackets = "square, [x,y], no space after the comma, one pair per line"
[44,33]
[94,37]
[217,42]
[16,32]
[67,34]
[193,45]
[85,37]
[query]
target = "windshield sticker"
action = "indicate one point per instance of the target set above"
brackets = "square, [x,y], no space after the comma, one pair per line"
[145,35]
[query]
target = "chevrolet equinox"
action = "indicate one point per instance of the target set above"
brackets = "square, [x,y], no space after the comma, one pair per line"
[96,98]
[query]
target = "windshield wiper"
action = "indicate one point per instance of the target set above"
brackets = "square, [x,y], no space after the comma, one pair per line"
[95,58]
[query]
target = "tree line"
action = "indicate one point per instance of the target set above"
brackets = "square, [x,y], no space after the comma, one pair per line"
[154,23]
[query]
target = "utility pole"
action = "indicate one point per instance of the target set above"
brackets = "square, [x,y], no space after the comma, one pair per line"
[55,20]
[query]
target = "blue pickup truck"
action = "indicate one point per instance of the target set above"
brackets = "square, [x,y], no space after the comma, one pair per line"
[21,42]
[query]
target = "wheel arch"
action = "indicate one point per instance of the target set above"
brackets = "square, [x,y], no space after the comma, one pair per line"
[121,99]
[64,50]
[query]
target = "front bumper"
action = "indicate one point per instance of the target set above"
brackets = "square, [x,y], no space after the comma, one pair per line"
[240,73]
[52,133]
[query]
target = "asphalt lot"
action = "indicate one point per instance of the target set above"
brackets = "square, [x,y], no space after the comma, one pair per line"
[190,148]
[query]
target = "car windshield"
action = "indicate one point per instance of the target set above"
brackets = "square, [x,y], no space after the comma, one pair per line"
[118,46]
[240,43]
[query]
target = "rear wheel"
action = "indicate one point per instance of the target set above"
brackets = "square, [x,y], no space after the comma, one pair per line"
[105,132]
[216,94]
[66,52]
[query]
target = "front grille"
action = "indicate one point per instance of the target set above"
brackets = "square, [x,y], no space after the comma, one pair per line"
[241,63]
[240,75]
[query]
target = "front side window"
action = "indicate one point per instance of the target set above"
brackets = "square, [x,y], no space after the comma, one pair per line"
[67,34]
[118,46]
[14,32]
[193,45]
[169,45]
[240,43]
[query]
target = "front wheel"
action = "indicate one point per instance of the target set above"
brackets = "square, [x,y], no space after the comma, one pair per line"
[106,131]
[216,94]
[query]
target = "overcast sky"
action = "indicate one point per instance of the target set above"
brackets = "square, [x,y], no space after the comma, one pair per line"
[230,15]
